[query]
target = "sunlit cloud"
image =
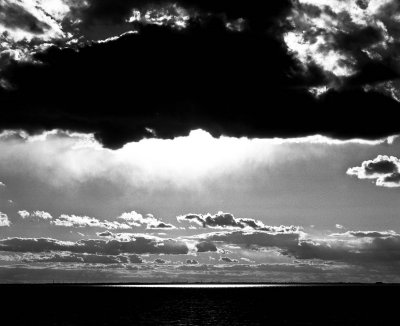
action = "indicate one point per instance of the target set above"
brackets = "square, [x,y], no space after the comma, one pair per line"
[384,170]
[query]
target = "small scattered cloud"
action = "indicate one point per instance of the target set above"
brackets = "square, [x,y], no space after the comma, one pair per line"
[223,220]
[135,259]
[383,170]
[36,214]
[159,261]
[74,221]
[24,214]
[79,259]
[206,246]
[228,260]
[339,226]
[135,219]
[4,221]
[191,262]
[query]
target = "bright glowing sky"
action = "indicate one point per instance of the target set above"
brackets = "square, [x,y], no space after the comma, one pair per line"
[67,187]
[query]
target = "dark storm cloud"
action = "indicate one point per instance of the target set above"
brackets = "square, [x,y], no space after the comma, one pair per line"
[131,245]
[352,43]
[15,16]
[163,82]
[206,246]
[384,170]
[118,11]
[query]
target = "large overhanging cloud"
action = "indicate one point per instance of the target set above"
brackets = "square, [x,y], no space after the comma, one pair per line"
[350,42]
[96,67]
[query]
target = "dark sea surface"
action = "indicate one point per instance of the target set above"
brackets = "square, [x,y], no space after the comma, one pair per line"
[65,305]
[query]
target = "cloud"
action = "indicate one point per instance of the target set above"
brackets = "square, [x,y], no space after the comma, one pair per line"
[339,226]
[85,221]
[254,239]
[78,258]
[105,234]
[384,170]
[228,260]
[361,248]
[375,250]
[4,221]
[212,69]
[128,245]
[372,234]
[349,42]
[24,214]
[191,262]
[36,214]
[135,259]
[223,220]
[159,261]
[135,219]
[205,246]
[2,185]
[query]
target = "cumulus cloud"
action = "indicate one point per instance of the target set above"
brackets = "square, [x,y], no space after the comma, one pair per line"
[4,221]
[228,260]
[24,214]
[349,41]
[223,220]
[129,244]
[135,219]
[135,259]
[159,261]
[78,258]
[206,246]
[352,247]
[254,239]
[36,214]
[2,184]
[383,170]
[367,250]
[371,234]
[75,221]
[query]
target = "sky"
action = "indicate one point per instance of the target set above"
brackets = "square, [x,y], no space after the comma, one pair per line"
[153,141]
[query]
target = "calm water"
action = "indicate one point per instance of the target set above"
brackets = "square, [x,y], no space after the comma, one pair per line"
[199,305]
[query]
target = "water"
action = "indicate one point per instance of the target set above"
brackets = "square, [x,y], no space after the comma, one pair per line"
[198,305]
